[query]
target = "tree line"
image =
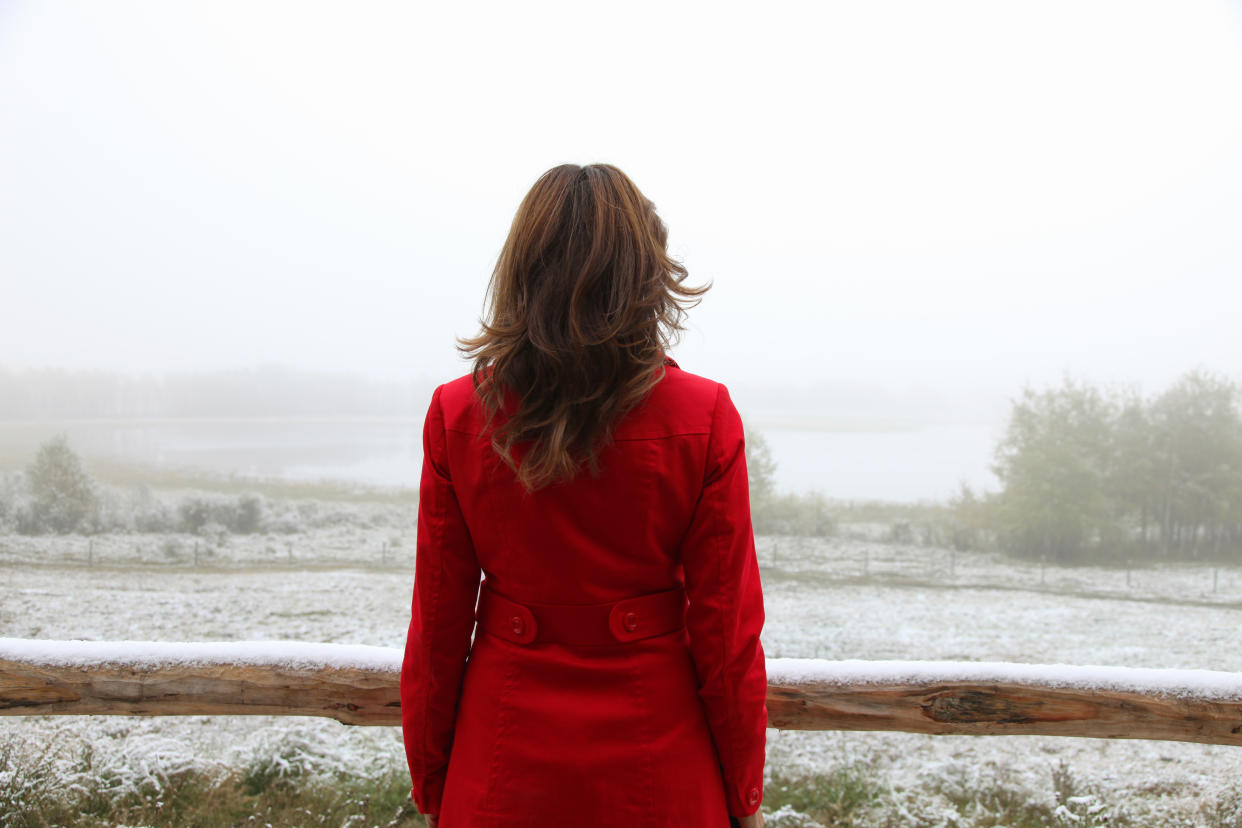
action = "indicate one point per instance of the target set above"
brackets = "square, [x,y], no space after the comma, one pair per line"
[55,494]
[1088,474]
[1098,474]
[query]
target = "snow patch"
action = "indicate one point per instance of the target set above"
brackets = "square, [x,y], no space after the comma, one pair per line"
[154,654]
[1182,683]
[1199,684]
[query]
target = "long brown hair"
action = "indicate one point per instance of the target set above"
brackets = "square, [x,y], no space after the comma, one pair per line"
[582,305]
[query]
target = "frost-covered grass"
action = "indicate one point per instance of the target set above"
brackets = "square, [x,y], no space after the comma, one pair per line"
[277,787]
[861,792]
[899,779]
[862,556]
[163,477]
[352,541]
[821,603]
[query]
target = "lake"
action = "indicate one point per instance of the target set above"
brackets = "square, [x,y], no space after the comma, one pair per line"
[899,465]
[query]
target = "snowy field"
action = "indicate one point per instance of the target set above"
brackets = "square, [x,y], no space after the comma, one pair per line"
[836,599]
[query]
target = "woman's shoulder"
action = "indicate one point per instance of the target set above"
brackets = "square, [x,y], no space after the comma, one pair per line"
[456,399]
[683,383]
[682,402]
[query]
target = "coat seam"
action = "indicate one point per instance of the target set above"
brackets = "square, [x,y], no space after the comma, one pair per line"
[729,749]
[730,608]
[502,723]
[430,631]
[648,803]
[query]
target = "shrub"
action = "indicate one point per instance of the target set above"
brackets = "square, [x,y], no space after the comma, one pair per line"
[793,514]
[10,496]
[147,513]
[214,533]
[248,514]
[195,512]
[760,467]
[243,515]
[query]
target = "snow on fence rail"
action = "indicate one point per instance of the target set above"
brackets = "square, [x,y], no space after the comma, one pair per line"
[359,685]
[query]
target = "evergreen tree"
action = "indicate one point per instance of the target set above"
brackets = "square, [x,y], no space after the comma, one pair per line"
[63,495]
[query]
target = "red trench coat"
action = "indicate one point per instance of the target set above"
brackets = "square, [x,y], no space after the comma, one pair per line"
[665,730]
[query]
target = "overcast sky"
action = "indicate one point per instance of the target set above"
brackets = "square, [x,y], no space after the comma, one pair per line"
[952,195]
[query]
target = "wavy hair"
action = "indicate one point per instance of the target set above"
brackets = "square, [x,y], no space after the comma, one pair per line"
[582,305]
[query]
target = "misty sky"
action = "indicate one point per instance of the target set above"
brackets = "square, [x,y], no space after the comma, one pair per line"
[953,195]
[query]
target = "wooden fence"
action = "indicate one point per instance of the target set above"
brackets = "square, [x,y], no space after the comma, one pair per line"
[359,686]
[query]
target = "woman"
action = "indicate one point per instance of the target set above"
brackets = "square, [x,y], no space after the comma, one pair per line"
[615,675]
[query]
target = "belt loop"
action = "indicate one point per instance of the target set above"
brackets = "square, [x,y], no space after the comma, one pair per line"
[644,616]
[624,620]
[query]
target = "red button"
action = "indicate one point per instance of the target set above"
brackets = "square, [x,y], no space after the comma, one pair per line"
[518,625]
[631,621]
[753,796]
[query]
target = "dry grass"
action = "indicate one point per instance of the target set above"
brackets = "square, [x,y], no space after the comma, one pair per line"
[262,794]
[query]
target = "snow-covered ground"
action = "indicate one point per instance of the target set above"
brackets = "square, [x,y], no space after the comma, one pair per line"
[349,543]
[824,599]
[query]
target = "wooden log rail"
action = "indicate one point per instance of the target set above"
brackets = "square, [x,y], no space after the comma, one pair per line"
[359,685]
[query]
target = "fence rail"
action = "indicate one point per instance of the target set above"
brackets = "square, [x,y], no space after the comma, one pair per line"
[359,686]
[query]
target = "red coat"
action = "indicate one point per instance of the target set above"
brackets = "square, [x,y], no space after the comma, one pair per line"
[663,729]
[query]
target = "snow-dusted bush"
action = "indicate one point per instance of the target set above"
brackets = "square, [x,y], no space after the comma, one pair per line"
[809,515]
[243,514]
[248,514]
[215,533]
[148,513]
[11,494]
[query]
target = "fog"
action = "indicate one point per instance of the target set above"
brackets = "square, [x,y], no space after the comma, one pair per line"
[976,270]
[959,196]
[907,212]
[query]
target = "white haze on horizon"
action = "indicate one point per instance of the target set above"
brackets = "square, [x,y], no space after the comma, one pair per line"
[952,199]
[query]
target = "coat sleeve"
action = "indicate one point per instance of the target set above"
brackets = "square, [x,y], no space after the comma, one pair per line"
[725,613]
[446,586]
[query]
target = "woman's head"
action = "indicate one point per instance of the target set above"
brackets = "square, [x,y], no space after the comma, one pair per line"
[583,302]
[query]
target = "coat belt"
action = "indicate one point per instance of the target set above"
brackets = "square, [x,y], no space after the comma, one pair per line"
[629,619]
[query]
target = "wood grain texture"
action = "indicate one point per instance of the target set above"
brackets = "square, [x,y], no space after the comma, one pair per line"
[977,708]
[360,696]
[349,695]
